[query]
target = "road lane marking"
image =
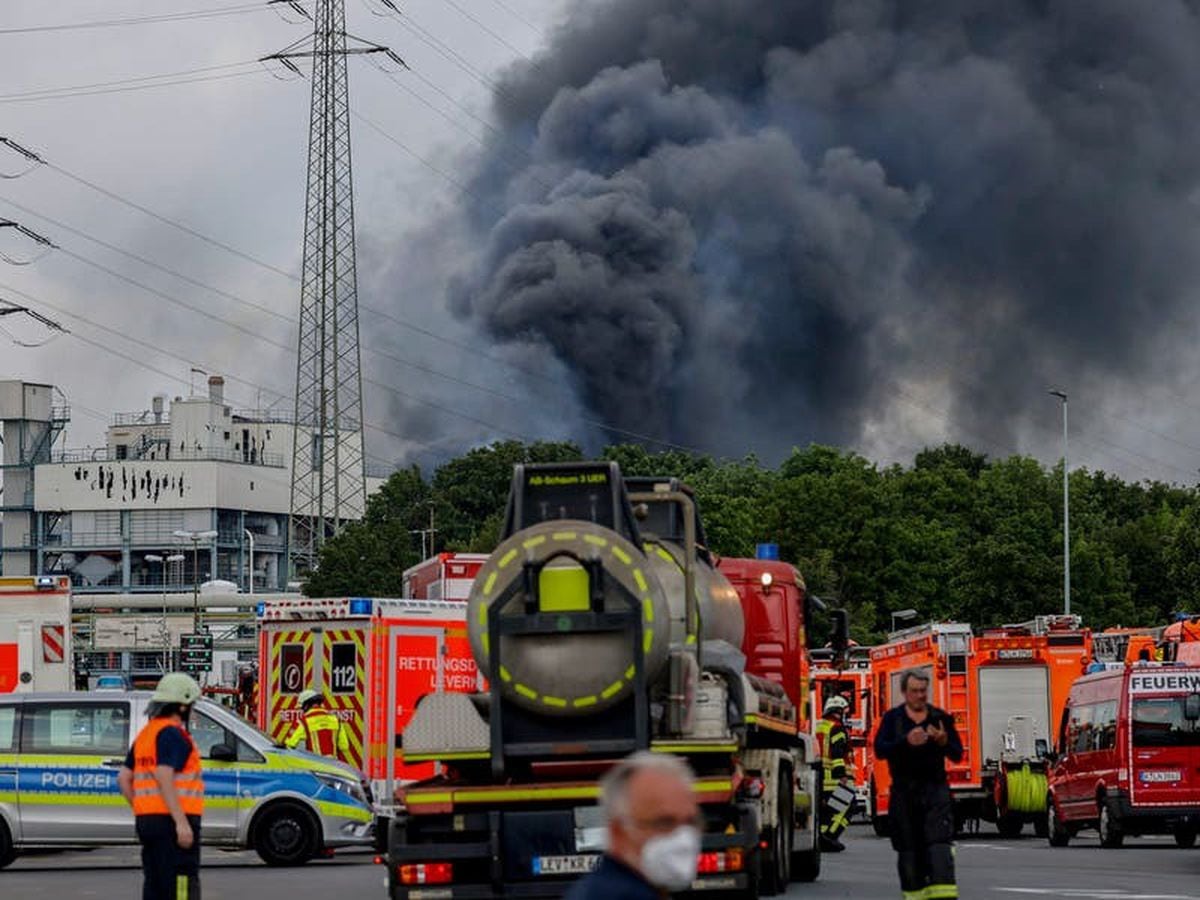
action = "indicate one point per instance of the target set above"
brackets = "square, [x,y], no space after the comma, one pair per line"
[1095,893]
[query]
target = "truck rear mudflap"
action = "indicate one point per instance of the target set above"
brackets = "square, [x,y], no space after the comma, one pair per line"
[500,854]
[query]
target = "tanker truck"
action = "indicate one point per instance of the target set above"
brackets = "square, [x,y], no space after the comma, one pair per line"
[603,626]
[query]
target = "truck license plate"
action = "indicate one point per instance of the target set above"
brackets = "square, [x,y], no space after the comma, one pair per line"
[565,865]
[1160,775]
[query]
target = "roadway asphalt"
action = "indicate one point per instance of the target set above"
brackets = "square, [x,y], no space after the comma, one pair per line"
[989,869]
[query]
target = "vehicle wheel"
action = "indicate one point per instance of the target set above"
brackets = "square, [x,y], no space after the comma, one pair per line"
[1185,837]
[7,851]
[1109,827]
[1041,826]
[776,868]
[806,864]
[1056,831]
[286,835]
[1010,824]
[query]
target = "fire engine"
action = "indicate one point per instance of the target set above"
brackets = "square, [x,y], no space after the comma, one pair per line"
[447,576]
[35,633]
[373,659]
[605,626]
[852,681]
[1006,689]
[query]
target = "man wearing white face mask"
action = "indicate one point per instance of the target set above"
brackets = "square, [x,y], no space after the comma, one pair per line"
[653,831]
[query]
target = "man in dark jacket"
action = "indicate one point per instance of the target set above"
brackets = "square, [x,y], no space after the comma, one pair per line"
[653,831]
[916,739]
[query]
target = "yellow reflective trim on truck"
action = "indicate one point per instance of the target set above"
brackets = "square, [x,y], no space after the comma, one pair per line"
[595,540]
[612,690]
[534,542]
[622,556]
[641,581]
[509,795]
[505,675]
[435,757]
[525,691]
[564,535]
[560,702]
[507,558]
[488,584]
[589,700]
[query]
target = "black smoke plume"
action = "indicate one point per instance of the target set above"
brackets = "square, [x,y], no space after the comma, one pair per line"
[748,224]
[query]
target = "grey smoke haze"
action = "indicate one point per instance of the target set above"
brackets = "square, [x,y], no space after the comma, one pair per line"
[748,224]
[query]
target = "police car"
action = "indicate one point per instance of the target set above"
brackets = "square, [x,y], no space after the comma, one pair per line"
[60,754]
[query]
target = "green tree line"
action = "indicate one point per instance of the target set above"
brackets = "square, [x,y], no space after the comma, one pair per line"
[954,535]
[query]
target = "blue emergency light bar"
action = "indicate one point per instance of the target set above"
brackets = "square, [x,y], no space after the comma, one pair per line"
[361,606]
[766,551]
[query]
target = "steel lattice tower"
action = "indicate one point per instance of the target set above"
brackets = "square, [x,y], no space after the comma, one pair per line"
[328,486]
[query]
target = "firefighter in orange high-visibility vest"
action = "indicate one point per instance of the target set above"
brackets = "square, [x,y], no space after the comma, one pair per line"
[319,729]
[161,780]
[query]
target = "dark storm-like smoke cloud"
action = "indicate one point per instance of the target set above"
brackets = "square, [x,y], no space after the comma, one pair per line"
[740,222]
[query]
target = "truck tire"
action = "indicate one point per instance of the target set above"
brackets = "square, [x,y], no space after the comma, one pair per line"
[1109,826]
[1010,824]
[1185,836]
[806,864]
[776,868]
[1056,831]
[285,834]
[7,851]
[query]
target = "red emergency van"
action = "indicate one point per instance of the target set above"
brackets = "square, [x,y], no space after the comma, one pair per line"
[1127,756]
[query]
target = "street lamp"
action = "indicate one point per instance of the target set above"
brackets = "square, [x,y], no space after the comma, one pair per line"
[166,633]
[903,615]
[195,537]
[1061,395]
[250,569]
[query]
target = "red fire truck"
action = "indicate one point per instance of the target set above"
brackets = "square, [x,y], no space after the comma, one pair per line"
[1005,689]
[373,660]
[447,576]
[853,681]
[35,633]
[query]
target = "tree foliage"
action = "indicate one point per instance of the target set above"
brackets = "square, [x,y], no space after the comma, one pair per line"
[953,536]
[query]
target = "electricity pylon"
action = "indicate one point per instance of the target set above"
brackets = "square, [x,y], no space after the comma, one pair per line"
[328,486]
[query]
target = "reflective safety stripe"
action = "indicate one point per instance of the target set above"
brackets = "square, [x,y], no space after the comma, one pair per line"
[181,887]
[913,895]
[189,785]
[941,892]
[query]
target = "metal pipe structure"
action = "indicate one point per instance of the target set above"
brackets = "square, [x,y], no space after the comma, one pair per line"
[1066,511]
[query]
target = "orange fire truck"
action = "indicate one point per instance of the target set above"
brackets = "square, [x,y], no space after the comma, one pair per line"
[1006,689]
[373,660]
[852,681]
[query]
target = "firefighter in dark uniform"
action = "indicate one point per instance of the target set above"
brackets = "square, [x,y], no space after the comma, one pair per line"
[161,780]
[916,739]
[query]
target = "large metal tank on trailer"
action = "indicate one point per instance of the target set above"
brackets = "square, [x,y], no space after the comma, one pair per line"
[564,674]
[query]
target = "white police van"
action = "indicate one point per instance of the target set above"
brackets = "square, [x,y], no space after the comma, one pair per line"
[60,754]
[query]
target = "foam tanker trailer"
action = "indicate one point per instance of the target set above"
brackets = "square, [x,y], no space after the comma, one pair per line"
[603,627]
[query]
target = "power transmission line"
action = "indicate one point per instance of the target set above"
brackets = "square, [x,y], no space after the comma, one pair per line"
[126,85]
[141,20]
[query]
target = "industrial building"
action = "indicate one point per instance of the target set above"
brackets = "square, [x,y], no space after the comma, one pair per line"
[117,518]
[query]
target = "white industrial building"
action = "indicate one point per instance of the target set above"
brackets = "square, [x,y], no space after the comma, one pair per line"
[190,464]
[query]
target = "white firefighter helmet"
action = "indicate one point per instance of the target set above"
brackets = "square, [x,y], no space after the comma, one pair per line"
[836,703]
[176,687]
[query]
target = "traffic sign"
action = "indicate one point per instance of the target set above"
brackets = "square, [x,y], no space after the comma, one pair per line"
[195,652]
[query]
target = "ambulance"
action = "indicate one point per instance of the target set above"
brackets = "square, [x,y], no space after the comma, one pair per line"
[373,659]
[1127,756]
[35,633]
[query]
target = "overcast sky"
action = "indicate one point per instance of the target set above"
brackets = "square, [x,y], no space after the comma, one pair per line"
[225,155]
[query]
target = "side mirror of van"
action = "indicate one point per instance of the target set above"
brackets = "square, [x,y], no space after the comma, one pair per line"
[223,753]
[1191,707]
